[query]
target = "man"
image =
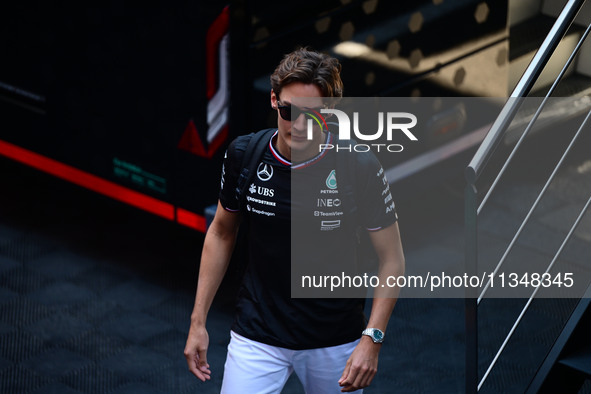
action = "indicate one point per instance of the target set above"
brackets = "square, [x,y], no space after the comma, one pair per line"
[274,334]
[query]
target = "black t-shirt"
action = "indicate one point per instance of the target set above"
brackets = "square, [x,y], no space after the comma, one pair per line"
[302,213]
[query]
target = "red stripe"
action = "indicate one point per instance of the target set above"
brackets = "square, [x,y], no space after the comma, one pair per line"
[102,186]
[321,117]
[276,154]
[191,220]
[87,180]
[217,142]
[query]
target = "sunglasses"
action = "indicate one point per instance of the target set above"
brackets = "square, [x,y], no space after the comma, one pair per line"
[291,112]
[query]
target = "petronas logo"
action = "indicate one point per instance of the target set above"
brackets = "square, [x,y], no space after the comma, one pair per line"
[331,180]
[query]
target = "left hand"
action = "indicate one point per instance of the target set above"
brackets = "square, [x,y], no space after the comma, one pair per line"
[361,366]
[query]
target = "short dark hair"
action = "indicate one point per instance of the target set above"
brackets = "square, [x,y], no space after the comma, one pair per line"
[309,67]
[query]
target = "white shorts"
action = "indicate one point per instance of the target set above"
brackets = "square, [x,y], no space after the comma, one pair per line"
[255,368]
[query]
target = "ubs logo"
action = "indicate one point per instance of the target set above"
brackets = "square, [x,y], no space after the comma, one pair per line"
[261,191]
[265,172]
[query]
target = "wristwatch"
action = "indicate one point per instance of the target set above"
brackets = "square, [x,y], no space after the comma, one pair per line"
[376,335]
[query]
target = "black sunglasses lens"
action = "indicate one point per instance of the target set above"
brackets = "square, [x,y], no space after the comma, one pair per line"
[285,112]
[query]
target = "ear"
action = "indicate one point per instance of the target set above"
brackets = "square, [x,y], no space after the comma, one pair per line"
[273,100]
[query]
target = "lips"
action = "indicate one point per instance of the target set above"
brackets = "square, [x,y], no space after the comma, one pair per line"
[298,138]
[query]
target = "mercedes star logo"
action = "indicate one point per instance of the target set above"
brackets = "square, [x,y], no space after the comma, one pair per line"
[265,172]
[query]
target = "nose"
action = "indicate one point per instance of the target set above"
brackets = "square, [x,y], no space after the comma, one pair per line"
[300,123]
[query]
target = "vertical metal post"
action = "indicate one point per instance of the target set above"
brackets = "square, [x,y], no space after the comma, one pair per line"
[471,303]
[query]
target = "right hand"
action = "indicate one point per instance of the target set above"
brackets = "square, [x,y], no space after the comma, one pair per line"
[196,352]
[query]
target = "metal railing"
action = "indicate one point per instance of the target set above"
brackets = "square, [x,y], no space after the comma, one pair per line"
[478,164]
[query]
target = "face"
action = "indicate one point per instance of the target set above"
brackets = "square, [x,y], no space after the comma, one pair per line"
[292,141]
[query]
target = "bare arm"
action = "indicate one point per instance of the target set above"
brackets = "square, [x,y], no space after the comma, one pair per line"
[363,363]
[217,251]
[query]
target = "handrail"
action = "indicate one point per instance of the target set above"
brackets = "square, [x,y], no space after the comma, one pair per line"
[515,149]
[479,162]
[527,81]
[538,199]
[536,115]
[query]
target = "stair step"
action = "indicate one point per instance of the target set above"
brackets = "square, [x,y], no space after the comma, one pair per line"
[579,360]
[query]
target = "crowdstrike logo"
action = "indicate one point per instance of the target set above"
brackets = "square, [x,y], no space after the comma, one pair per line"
[395,122]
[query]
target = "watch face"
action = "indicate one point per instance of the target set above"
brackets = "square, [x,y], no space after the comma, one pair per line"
[375,334]
[378,335]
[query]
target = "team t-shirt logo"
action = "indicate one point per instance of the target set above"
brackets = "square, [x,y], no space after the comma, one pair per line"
[265,172]
[331,180]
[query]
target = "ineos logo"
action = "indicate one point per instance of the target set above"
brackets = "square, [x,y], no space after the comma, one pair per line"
[265,172]
[328,202]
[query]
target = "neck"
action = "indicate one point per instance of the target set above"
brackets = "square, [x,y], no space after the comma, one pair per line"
[299,156]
